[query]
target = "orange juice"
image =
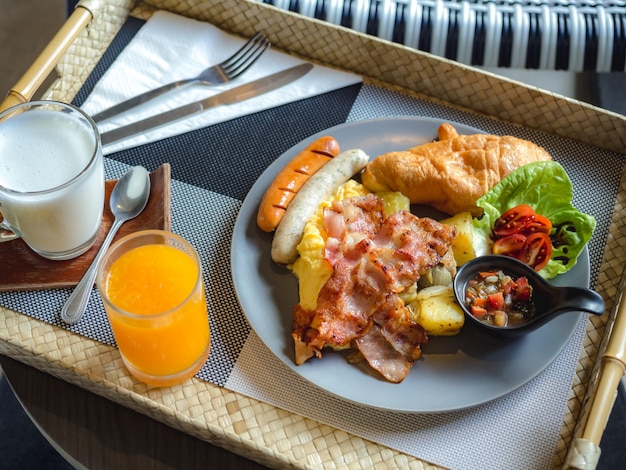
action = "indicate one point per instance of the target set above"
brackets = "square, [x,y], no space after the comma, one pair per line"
[155,302]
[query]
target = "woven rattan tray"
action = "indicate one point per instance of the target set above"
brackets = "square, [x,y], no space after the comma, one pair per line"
[249,427]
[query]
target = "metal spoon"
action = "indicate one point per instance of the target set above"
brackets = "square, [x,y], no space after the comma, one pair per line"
[128,199]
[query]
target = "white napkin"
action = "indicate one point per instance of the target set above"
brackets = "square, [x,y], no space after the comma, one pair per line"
[171,47]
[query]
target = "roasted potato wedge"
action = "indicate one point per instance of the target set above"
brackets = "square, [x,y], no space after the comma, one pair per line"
[436,310]
[463,244]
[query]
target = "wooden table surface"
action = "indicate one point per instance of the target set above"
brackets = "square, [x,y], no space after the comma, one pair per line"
[101,434]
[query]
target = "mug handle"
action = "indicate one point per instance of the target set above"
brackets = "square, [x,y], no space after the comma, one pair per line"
[7,233]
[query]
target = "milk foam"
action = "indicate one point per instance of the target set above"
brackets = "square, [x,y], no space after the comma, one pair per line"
[42,150]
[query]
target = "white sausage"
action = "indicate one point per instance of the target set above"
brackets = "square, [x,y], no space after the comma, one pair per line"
[320,186]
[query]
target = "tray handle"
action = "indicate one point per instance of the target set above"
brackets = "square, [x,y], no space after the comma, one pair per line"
[30,82]
[584,452]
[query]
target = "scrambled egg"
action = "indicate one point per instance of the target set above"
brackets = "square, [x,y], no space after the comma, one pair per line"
[311,269]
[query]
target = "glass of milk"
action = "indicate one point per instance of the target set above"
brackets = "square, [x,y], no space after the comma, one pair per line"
[51,178]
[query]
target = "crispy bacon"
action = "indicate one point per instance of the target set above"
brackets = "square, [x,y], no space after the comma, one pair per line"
[348,221]
[359,305]
[392,341]
[381,356]
[358,214]
[404,335]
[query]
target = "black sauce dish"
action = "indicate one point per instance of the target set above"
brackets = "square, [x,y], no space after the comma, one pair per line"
[549,301]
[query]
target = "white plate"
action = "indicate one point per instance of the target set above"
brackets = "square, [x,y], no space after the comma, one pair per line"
[454,373]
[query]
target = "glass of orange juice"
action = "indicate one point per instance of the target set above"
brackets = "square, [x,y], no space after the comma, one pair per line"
[153,293]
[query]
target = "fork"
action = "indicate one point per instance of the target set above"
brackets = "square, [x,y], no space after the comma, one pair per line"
[221,73]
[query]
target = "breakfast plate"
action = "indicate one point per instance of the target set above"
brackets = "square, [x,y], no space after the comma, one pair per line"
[455,372]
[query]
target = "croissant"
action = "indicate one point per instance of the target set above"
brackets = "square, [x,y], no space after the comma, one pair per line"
[453,172]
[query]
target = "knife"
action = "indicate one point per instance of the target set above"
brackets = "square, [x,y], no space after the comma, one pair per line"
[234,95]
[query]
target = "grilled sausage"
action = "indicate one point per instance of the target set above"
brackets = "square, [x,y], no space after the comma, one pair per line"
[317,188]
[289,181]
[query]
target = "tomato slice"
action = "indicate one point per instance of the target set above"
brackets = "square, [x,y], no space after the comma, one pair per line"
[496,300]
[540,224]
[479,302]
[536,251]
[486,274]
[523,290]
[508,286]
[478,312]
[513,220]
[523,234]
[510,245]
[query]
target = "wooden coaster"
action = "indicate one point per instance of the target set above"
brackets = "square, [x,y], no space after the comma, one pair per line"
[22,269]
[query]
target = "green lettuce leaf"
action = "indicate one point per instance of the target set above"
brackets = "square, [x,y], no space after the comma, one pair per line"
[546,187]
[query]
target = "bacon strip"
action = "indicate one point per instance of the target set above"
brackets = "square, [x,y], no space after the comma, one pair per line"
[359,305]
[348,221]
[392,342]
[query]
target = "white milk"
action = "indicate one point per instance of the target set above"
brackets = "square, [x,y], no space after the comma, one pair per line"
[41,150]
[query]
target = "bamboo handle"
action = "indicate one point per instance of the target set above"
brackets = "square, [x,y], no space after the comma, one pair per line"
[612,369]
[585,451]
[26,86]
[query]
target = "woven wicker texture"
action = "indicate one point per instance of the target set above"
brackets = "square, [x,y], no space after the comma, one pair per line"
[82,56]
[256,430]
[598,328]
[542,34]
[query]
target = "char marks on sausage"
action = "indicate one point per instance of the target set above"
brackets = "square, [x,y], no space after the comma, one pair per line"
[359,306]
